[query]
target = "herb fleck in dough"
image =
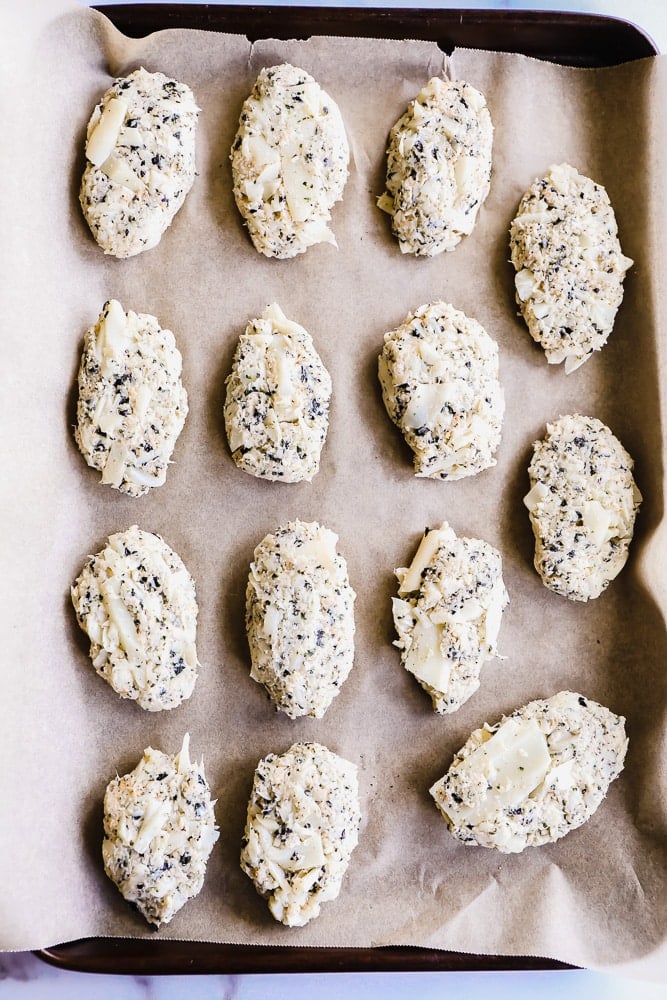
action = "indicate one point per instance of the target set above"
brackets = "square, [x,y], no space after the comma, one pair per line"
[289,162]
[140,148]
[302,826]
[159,830]
[534,776]
[132,405]
[582,503]
[439,376]
[277,404]
[570,269]
[447,614]
[438,167]
[136,602]
[300,618]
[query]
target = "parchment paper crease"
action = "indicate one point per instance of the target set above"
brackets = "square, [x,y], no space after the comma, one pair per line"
[596,898]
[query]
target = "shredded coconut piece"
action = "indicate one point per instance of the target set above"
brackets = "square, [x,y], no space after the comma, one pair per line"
[159,830]
[534,776]
[300,618]
[141,161]
[447,614]
[289,162]
[302,826]
[439,376]
[136,602]
[438,167]
[582,503]
[570,269]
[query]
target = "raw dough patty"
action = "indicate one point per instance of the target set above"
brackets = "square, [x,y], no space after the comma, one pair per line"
[447,614]
[136,602]
[277,405]
[582,502]
[534,776]
[300,618]
[159,830]
[302,826]
[132,404]
[439,376]
[570,269]
[140,147]
[289,162]
[438,167]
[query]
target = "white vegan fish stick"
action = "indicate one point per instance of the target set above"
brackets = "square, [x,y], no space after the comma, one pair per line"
[534,776]
[140,151]
[289,162]
[438,167]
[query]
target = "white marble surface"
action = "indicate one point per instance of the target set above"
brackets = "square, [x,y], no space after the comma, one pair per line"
[23,975]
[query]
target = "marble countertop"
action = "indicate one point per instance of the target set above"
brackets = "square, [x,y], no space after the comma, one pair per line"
[24,975]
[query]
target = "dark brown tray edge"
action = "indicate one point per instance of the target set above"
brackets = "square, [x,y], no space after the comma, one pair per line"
[573,39]
[127,956]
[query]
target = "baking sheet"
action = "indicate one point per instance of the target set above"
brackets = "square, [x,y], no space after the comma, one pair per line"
[593,899]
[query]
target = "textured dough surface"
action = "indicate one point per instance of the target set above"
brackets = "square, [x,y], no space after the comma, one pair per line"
[140,151]
[300,618]
[582,503]
[132,405]
[447,614]
[439,376]
[277,405]
[136,602]
[581,746]
[438,167]
[159,830]
[289,162]
[302,826]
[570,269]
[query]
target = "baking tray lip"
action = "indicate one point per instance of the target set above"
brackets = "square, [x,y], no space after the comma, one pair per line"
[138,956]
[570,38]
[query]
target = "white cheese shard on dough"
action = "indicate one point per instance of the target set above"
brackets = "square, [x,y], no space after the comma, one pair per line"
[277,404]
[289,162]
[534,776]
[438,167]
[439,376]
[159,831]
[300,618]
[136,602]
[447,614]
[140,148]
[582,503]
[569,265]
[302,826]
[132,405]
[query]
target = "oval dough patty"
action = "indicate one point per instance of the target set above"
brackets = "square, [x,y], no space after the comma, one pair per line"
[447,614]
[159,830]
[302,826]
[289,162]
[582,503]
[140,148]
[438,167]
[534,776]
[136,602]
[300,618]
[570,269]
[439,376]
[277,404]
[132,404]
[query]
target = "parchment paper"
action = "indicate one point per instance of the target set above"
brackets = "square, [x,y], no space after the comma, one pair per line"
[596,898]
